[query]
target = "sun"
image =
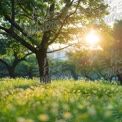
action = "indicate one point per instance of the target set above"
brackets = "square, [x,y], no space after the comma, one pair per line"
[92,38]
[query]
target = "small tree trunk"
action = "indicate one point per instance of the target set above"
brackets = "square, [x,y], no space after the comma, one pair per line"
[11,71]
[120,78]
[43,66]
[30,73]
[111,78]
[74,75]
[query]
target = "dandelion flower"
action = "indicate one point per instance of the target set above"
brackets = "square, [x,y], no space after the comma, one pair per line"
[67,115]
[43,117]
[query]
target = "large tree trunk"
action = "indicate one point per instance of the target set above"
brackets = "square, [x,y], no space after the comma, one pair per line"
[43,66]
[11,71]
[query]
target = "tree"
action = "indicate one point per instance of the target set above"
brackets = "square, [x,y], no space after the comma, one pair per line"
[108,61]
[62,69]
[90,58]
[117,49]
[101,60]
[12,54]
[27,67]
[36,24]
[81,59]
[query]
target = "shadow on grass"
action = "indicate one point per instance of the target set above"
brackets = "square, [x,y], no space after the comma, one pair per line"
[24,87]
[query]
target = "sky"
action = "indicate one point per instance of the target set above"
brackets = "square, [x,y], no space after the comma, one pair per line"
[115,10]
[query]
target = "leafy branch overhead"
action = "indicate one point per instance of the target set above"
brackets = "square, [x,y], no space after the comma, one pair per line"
[27,15]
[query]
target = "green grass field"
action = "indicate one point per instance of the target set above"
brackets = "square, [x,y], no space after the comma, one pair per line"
[24,100]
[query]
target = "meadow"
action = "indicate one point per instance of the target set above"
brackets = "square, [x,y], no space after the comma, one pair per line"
[23,100]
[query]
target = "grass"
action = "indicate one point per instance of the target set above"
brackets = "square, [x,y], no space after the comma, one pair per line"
[23,100]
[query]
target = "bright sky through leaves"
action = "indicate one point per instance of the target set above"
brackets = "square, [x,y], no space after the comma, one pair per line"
[92,38]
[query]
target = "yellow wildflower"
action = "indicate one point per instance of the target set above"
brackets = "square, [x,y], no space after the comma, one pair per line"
[67,115]
[43,117]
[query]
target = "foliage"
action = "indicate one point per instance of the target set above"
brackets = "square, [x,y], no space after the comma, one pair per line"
[11,51]
[24,100]
[82,59]
[59,69]
[117,34]
[25,68]
[109,60]
[3,71]
[36,24]
[98,62]
[62,69]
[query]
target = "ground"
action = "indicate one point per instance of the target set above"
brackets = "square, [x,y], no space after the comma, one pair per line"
[23,100]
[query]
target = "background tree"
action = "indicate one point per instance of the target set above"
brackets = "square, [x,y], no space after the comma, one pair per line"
[62,69]
[93,60]
[108,61]
[101,59]
[11,54]
[117,48]
[81,59]
[26,68]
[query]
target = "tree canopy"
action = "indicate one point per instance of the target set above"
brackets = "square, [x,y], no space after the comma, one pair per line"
[36,24]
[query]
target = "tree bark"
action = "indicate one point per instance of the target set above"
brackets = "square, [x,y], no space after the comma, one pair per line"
[9,68]
[120,78]
[43,66]
[74,75]
[11,71]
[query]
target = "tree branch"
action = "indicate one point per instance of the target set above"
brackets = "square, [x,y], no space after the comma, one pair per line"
[12,13]
[18,60]
[19,39]
[27,55]
[24,10]
[57,34]
[65,9]
[74,10]
[23,42]
[64,23]
[46,34]
[59,49]
[2,28]
[19,28]
[2,61]
[3,33]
